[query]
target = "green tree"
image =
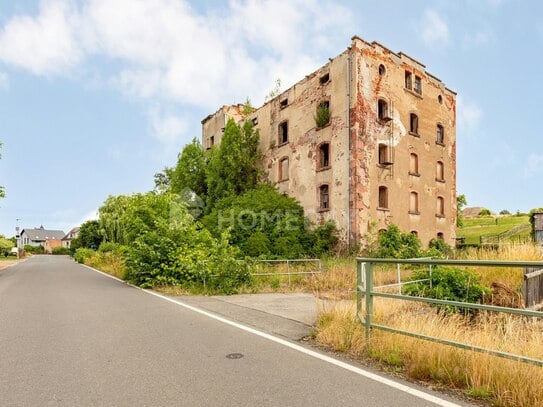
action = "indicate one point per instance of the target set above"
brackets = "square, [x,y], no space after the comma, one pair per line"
[233,168]
[163,180]
[90,236]
[484,212]
[461,202]
[190,171]
[123,218]
[5,245]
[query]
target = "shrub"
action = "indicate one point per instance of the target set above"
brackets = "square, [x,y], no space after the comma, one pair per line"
[447,283]
[395,244]
[61,250]
[5,246]
[82,254]
[485,212]
[186,255]
[264,222]
[107,247]
[438,248]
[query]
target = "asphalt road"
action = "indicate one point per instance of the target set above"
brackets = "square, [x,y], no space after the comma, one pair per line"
[70,336]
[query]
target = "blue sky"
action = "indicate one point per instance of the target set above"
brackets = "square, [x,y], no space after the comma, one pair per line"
[98,95]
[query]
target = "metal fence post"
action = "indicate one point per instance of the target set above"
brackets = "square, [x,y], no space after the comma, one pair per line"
[288,271]
[369,299]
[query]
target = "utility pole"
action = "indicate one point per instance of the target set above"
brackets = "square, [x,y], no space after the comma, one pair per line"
[18,237]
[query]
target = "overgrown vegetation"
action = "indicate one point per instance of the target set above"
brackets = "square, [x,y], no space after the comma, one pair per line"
[501,382]
[61,251]
[447,283]
[322,117]
[205,220]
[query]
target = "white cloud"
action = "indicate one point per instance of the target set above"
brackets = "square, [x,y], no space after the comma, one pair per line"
[166,53]
[4,81]
[167,128]
[534,165]
[436,30]
[468,115]
[43,45]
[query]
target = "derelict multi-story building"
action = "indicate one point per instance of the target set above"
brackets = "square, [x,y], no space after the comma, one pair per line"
[386,155]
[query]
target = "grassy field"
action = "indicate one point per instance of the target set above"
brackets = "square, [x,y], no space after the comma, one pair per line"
[474,228]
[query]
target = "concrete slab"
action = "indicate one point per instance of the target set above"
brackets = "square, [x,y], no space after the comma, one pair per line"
[291,315]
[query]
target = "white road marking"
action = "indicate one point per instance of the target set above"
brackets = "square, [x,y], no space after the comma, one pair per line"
[391,383]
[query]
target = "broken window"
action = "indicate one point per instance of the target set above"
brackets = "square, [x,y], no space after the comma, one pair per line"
[408,80]
[382,110]
[255,121]
[440,99]
[382,70]
[283,169]
[283,103]
[414,164]
[324,156]
[418,85]
[211,141]
[283,132]
[324,79]
[440,236]
[413,202]
[414,123]
[384,155]
[324,197]
[415,233]
[383,197]
[440,209]
[440,134]
[440,171]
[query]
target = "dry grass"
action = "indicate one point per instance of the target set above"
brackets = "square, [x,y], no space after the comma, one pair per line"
[504,382]
[501,381]
[108,263]
[6,263]
[511,277]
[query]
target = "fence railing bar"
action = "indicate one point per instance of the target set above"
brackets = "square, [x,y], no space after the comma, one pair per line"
[461,345]
[514,311]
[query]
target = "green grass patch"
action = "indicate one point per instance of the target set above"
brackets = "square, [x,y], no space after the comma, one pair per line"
[474,228]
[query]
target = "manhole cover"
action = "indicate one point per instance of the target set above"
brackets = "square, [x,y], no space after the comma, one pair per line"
[234,356]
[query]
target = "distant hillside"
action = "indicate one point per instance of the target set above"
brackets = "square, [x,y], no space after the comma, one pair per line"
[509,228]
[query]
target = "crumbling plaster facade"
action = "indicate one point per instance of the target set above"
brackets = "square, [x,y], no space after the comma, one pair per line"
[369,158]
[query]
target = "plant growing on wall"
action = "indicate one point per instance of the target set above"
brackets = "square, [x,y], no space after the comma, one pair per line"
[322,118]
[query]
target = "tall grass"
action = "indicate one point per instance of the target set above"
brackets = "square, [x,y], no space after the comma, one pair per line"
[107,262]
[501,381]
[511,277]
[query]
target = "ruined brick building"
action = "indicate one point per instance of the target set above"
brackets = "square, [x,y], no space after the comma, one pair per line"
[383,150]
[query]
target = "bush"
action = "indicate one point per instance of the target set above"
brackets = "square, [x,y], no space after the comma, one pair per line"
[82,254]
[438,248]
[394,244]
[34,249]
[264,222]
[107,247]
[5,246]
[485,212]
[447,283]
[186,255]
[61,250]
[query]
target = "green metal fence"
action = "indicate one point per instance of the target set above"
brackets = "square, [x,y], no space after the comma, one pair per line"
[366,292]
